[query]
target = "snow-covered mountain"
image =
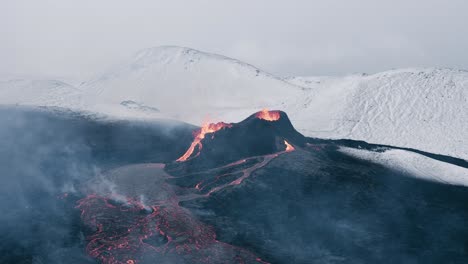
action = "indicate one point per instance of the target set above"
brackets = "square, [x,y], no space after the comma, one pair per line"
[179,80]
[426,109]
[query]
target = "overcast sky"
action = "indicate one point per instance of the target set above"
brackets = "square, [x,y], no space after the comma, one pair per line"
[310,37]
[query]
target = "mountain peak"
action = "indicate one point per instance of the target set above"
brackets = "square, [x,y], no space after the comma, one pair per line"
[169,54]
[162,53]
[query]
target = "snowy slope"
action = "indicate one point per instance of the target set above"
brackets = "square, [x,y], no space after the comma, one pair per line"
[179,81]
[426,109]
[414,164]
[38,92]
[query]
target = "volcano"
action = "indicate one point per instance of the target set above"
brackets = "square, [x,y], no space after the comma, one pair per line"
[262,133]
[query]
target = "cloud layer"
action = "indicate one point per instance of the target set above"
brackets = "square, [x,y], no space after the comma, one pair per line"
[65,37]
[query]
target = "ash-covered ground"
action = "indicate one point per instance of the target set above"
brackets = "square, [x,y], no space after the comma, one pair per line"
[77,190]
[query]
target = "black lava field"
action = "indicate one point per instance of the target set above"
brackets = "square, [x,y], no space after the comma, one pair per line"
[78,189]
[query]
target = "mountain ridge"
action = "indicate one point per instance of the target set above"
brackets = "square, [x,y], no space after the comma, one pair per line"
[421,108]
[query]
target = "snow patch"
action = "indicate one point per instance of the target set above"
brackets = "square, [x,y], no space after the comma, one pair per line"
[414,164]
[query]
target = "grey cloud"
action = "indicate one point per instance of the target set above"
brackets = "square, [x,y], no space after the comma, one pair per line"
[79,38]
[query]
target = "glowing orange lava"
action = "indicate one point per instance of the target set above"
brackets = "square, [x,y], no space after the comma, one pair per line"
[200,135]
[289,147]
[268,115]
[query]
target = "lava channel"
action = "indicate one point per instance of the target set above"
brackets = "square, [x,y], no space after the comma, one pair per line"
[199,135]
[289,147]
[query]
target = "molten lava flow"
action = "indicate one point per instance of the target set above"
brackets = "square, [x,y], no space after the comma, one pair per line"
[268,115]
[200,135]
[128,233]
[289,147]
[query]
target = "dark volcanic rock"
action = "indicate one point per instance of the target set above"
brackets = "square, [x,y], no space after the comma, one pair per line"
[242,199]
[251,137]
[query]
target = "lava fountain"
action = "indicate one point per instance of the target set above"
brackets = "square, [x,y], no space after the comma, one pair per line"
[268,115]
